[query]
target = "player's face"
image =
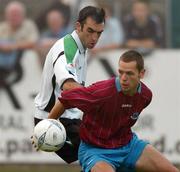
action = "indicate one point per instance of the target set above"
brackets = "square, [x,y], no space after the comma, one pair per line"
[129,77]
[90,32]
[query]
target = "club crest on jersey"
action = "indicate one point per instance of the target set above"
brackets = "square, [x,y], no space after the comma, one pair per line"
[70,68]
[135,116]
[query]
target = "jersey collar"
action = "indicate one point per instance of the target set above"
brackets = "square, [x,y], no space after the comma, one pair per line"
[78,42]
[118,85]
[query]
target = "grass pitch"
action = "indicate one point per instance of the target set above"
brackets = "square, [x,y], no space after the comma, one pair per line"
[39,168]
[42,168]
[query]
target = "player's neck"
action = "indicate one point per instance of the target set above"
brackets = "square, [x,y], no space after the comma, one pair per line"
[133,91]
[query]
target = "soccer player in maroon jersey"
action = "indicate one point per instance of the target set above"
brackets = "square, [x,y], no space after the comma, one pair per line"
[111,107]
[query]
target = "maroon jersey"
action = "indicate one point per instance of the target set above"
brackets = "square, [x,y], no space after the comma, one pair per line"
[108,113]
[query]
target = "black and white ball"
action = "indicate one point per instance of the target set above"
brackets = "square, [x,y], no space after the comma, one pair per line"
[49,135]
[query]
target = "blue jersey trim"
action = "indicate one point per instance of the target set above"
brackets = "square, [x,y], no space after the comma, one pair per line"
[139,88]
[117,82]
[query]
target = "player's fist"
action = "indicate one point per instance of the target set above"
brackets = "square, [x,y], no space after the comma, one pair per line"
[33,143]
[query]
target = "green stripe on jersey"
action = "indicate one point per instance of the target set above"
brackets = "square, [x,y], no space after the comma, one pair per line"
[70,48]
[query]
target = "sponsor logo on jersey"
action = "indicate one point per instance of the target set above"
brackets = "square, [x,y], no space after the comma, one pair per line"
[126,105]
[135,116]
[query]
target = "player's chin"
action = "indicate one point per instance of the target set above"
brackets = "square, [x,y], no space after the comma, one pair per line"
[125,89]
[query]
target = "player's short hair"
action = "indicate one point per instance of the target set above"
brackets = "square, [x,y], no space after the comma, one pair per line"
[97,14]
[133,55]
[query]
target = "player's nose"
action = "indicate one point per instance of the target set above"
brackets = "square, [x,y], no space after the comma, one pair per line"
[124,77]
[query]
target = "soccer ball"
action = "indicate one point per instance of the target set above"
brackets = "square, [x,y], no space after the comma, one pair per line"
[49,135]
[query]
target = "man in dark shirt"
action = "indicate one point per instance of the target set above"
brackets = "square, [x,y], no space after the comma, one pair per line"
[142,30]
[111,107]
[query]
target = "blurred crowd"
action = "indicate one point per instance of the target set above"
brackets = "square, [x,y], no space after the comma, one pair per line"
[139,28]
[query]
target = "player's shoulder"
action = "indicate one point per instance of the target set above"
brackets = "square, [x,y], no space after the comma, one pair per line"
[146,91]
[59,43]
[58,47]
[104,87]
[104,83]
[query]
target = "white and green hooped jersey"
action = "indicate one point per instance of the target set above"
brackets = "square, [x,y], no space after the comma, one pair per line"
[66,59]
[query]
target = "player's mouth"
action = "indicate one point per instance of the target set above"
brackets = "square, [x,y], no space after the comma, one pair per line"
[125,86]
[92,44]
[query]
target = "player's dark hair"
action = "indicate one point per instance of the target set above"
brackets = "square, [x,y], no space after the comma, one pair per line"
[97,14]
[133,55]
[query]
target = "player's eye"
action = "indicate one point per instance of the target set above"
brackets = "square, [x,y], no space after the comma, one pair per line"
[99,33]
[120,72]
[90,31]
[130,73]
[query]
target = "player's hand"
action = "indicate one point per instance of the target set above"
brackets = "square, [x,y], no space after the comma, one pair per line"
[33,143]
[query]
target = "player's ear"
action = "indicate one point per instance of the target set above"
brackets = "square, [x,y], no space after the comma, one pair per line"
[78,26]
[141,74]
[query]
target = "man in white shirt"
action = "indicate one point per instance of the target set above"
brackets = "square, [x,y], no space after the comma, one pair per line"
[65,69]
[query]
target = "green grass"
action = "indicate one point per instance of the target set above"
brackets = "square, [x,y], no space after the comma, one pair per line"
[40,168]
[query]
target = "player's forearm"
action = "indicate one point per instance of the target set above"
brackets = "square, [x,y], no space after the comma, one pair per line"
[70,84]
[56,111]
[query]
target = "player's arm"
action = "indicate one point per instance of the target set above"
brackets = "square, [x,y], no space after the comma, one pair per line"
[56,111]
[70,84]
[66,80]
[82,98]
[65,74]
[58,108]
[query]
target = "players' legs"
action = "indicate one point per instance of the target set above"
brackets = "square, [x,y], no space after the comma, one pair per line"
[69,152]
[95,159]
[102,166]
[152,161]
[72,130]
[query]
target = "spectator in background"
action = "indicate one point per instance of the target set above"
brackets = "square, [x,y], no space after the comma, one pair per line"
[113,34]
[54,5]
[56,24]
[77,5]
[17,33]
[142,29]
[56,29]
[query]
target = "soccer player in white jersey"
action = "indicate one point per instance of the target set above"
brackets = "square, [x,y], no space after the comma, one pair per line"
[65,69]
